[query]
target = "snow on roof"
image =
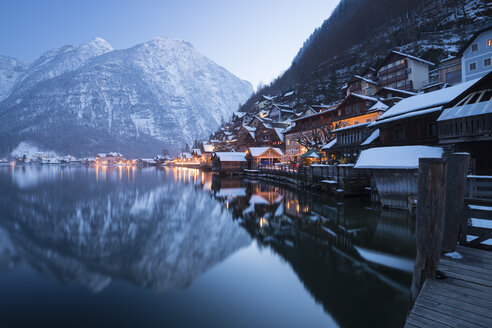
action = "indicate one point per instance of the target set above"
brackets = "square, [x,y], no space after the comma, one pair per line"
[411,114]
[398,157]
[280,134]
[208,148]
[364,97]
[269,97]
[330,144]
[426,100]
[114,154]
[239,114]
[378,106]
[290,93]
[249,128]
[413,57]
[252,134]
[258,151]
[371,138]
[101,155]
[480,108]
[231,156]
[365,79]
[401,91]
[352,127]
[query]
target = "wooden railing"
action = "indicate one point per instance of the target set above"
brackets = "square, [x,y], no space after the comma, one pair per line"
[476,227]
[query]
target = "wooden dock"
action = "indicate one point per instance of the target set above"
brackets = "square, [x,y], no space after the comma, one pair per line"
[463,299]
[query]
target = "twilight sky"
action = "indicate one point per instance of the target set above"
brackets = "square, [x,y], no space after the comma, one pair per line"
[254,39]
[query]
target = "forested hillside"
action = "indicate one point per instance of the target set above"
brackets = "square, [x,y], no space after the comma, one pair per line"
[359,33]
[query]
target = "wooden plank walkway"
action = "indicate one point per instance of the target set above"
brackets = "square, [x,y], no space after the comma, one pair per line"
[463,299]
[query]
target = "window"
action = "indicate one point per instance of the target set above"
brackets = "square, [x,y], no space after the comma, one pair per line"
[399,134]
[486,62]
[473,66]
[453,77]
[368,120]
[474,47]
[431,129]
[489,42]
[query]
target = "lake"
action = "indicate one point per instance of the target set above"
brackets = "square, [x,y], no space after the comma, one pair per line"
[176,247]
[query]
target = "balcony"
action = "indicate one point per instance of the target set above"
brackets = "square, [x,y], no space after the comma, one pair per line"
[393,69]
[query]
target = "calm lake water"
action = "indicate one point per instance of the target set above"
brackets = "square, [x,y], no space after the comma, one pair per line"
[130,247]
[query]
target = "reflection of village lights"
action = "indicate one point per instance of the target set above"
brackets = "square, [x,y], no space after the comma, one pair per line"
[297,208]
[227,204]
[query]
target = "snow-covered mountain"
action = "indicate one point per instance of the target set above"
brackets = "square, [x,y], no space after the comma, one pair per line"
[138,101]
[10,70]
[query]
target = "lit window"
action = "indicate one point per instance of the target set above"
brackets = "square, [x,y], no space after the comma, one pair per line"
[486,62]
[474,47]
[489,42]
[473,66]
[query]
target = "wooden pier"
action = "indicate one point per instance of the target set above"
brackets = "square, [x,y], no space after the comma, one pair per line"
[462,299]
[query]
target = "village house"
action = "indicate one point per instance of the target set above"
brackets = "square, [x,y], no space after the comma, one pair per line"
[352,132]
[110,158]
[465,125]
[245,137]
[476,54]
[402,71]
[280,113]
[365,85]
[239,119]
[413,121]
[257,156]
[306,123]
[229,162]
[269,135]
[450,71]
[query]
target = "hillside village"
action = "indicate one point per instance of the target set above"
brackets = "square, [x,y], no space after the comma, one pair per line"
[406,101]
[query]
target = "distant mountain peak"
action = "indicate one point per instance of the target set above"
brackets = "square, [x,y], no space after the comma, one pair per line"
[86,99]
[99,43]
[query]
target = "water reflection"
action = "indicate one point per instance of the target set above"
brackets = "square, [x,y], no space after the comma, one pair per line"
[163,228]
[155,234]
[356,261]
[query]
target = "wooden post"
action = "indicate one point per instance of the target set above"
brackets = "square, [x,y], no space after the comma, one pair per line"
[457,165]
[430,217]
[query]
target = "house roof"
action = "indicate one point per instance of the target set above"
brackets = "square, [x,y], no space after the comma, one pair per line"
[371,138]
[408,115]
[365,79]
[399,157]
[361,125]
[330,144]
[410,93]
[312,153]
[487,26]
[258,151]
[279,132]
[425,101]
[378,106]
[231,156]
[412,57]
[239,114]
[208,148]
[468,110]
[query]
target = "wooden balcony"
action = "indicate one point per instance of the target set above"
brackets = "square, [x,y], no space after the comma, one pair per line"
[466,129]
[393,69]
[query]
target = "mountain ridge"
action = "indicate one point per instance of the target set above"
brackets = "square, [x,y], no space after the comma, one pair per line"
[155,95]
[360,33]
